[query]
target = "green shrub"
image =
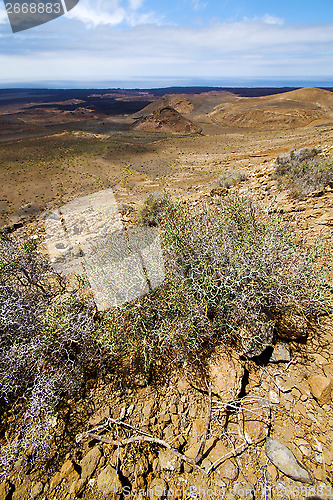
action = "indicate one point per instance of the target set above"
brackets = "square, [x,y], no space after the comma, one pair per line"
[304,171]
[230,269]
[151,213]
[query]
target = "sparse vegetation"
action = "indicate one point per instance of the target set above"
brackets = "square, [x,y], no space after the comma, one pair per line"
[151,213]
[231,268]
[304,171]
[45,346]
[231,177]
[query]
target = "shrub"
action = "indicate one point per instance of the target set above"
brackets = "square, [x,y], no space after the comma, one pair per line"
[231,177]
[230,270]
[45,345]
[304,171]
[151,213]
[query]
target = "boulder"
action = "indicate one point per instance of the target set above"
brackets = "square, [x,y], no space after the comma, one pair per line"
[226,372]
[291,326]
[286,462]
[108,482]
[256,339]
[90,462]
[321,388]
[254,419]
[281,353]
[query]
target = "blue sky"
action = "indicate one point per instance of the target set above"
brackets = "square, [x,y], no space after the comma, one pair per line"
[176,42]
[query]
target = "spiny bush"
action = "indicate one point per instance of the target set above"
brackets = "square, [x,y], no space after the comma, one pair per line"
[304,171]
[231,177]
[230,269]
[45,345]
[151,213]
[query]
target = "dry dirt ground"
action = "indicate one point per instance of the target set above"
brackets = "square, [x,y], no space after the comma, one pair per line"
[280,398]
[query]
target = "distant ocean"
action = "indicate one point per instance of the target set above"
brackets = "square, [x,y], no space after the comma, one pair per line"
[151,83]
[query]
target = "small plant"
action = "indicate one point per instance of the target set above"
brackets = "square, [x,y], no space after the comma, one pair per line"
[231,177]
[151,213]
[304,171]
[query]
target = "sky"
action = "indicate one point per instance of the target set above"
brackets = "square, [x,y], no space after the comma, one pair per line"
[150,43]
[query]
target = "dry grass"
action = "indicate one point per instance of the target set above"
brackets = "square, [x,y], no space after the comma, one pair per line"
[304,171]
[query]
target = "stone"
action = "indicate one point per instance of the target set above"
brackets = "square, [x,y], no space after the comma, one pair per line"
[168,461]
[99,417]
[206,464]
[254,419]
[158,488]
[165,419]
[192,451]
[219,191]
[147,408]
[218,451]
[328,370]
[108,481]
[66,472]
[328,456]
[321,388]
[274,397]
[169,432]
[36,489]
[290,326]
[284,460]
[284,383]
[281,353]
[228,470]
[77,487]
[245,491]
[226,374]
[296,393]
[173,409]
[176,420]
[256,338]
[198,427]
[90,462]
[20,492]
[24,214]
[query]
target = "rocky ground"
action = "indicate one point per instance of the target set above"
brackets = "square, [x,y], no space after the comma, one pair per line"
[227,428]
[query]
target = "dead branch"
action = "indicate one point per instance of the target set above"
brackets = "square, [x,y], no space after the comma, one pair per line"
[233,453]
[147,439]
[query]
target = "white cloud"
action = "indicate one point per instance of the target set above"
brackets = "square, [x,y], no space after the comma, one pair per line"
[252,48]
[113,13]
[95,15]
[198,4]
[135,4]
[274,20]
